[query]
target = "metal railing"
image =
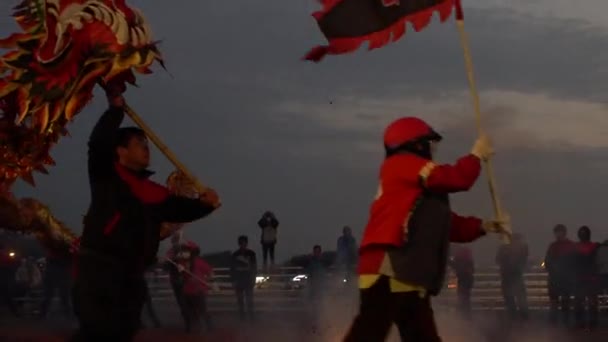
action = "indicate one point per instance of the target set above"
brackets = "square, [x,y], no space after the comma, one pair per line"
[284,289]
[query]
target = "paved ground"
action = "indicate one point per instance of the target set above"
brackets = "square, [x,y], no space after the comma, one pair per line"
[297,328]
[327,324]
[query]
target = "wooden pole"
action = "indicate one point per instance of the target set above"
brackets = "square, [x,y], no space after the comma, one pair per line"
[163,148]
[468,60]
[188,272]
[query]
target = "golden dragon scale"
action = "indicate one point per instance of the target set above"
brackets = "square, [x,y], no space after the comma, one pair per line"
[30,216]
[64,49]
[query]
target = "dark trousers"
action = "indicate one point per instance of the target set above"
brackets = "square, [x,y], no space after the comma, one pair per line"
[463,291]
[586,297]
[108,307]
[149,306]
[57,279]
[195,308]
[515,295]
[268,250]
[464,301]
[315,289]
[7,290]
[244,298]
[560,291]
[179,298]
[379,309]
[348,268]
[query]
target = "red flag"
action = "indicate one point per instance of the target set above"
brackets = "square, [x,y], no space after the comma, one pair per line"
[349,23]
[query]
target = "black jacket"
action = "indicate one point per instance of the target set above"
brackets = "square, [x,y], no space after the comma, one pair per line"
[123,221]
[243,268]
[423,260]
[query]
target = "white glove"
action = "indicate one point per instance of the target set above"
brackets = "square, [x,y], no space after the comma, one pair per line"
[482,148]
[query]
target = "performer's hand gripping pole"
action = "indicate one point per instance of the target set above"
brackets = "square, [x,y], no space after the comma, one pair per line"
[163,148]
[464,41]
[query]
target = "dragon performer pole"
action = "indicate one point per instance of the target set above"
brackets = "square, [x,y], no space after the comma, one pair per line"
[64,49]
[164,149]
[468,61]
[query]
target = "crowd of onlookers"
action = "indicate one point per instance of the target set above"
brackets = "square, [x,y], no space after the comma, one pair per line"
[577,276]
[26,280]
[191,276]
[28,285]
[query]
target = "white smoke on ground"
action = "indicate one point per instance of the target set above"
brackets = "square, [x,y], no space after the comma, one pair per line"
[339,306]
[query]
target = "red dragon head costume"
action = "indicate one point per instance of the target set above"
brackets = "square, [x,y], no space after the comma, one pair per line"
[48,75]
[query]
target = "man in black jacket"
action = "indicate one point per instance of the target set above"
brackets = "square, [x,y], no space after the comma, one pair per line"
[243,271]
[122,228]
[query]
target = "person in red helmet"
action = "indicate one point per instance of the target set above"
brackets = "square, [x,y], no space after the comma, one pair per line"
[404,250]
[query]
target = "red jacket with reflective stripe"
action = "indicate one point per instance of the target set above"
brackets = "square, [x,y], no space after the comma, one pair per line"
[403,178]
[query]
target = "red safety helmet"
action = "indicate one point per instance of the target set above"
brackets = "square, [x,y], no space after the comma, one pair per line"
[408,130]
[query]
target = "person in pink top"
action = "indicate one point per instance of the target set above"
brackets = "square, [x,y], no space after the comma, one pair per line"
[196,274]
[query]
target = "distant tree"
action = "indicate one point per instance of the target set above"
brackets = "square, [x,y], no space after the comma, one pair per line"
[327,258]
[23,245]
[218,259]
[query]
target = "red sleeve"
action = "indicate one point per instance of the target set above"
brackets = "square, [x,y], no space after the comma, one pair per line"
[465,229]
[451,178]
[205,268]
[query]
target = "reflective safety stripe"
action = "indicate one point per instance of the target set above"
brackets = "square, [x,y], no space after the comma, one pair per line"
[109,228]
[426,171]
[368,280]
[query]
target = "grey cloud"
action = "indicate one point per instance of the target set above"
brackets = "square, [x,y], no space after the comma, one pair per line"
[232,63]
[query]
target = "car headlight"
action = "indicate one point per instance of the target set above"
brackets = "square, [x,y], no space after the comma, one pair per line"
[259,280]
[299,277]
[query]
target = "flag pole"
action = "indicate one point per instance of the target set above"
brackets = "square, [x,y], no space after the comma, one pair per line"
[468,60]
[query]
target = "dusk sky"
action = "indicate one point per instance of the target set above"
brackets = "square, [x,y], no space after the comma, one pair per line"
[269,131]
